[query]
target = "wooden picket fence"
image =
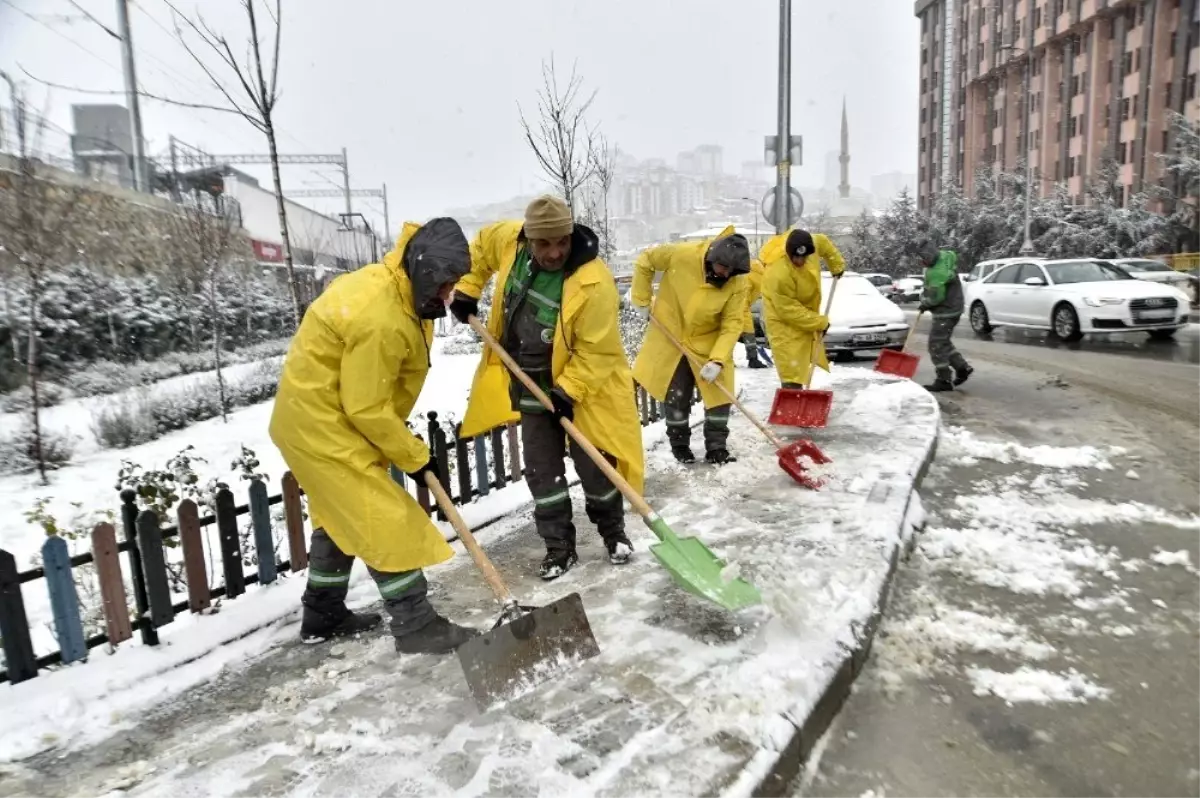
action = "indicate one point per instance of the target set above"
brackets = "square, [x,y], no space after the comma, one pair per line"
[145,542]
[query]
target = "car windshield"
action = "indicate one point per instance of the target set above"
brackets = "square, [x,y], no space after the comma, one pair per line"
[1146,266]
[1085,271]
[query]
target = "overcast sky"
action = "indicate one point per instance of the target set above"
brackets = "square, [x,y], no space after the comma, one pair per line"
[424,94]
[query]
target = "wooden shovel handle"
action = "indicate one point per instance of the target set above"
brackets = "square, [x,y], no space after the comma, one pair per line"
[639,504]
[464,533]
[821,335]
[911,330]
[771,436]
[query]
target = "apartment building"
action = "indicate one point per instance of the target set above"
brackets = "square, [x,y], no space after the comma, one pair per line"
[1066,81]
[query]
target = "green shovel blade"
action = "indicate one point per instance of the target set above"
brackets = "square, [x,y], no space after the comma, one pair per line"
[698,570]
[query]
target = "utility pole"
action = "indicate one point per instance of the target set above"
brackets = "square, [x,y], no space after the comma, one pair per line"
[140,179]
[1027,244]
[783,150]
[346,181]
[387,222]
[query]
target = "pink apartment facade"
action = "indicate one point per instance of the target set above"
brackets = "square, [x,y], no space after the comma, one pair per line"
[1102,76]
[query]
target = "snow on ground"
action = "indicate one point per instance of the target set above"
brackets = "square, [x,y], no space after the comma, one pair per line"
[971,449]
[74,416]
[684,698]
[1018,534]
[1037,686]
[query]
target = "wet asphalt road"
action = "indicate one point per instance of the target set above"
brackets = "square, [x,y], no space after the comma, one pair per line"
[915,724]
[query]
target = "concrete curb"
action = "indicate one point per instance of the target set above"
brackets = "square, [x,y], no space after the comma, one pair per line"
[794,756]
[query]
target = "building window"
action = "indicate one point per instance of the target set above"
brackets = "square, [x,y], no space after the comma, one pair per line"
[924,85]
[922,145]
[923,116]
[1134,106]
[1016,30]
[1037,17]
[924,56]
[925,22]
[1189,86]
[1124,108]
[1126,64]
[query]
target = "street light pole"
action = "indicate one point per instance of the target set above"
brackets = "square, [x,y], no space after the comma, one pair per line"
[141,180]
[783,142]
[1027,244]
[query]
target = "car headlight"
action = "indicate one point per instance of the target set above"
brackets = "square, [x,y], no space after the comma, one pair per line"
[1097,302]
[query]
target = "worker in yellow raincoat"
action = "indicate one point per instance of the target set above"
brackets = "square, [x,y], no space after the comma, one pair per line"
[749,334]
[792,302]
[352,375]
[702,303]
[555,310]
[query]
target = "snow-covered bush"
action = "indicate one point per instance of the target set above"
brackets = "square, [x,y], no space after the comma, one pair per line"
[121,424]
[463,341]
[20,400]
[633,330]
[18,451]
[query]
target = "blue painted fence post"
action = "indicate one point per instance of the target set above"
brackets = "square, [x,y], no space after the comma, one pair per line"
[264,537]
[64,601]
[481,469]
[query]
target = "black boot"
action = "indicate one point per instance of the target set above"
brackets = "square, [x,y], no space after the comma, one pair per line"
[556,563]
[719,457]
[755,363]
[683,453]
[942,383]
[963,374]
[318,627]
[439,636]
[620,549]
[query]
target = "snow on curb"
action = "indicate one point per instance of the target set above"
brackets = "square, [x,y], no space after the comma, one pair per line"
[804,726]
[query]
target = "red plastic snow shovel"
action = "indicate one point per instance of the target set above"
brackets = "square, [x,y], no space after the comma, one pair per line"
[901,363]
[802,407]
[795,457]
[528,645]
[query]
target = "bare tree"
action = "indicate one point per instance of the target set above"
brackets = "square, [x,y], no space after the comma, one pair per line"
[205,241]
[255,96]
[602,161]
[560,138]
[38,220]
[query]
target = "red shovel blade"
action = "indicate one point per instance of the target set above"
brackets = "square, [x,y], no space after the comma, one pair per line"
[901,364]
[796,457]
[796,407]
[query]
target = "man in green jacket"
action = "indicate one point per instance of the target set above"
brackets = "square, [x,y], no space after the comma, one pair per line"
[943,300]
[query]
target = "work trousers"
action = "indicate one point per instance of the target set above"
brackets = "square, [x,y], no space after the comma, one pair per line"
[679,407]
[405,594]
[942,352]
[545,444]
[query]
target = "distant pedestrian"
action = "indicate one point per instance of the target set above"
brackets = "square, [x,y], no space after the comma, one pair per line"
[749,333]
[942,298]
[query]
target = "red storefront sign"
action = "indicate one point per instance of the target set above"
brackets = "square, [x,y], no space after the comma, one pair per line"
[267,252]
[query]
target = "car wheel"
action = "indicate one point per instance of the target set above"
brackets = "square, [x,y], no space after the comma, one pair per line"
[843,357]
[1065,323]
[979,319]
[1164,335]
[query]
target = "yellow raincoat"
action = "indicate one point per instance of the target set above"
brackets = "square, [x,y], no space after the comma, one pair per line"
[351,377]
[792,307]
[754,291]
[706,319]
[589,361]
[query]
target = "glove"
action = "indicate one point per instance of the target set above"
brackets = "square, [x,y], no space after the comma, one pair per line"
[642,312]
[710,371]
[922,308]
[431,466]
[464,307]
[564,406]
[824,324]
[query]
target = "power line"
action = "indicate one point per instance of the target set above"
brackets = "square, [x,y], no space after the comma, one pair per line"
[60,34]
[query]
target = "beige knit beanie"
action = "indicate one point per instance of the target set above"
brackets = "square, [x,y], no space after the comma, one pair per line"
[548,217]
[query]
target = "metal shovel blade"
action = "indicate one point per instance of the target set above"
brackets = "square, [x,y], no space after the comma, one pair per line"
[517,656]
[697,570]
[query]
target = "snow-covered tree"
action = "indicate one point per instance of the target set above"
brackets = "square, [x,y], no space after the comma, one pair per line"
[1180,191]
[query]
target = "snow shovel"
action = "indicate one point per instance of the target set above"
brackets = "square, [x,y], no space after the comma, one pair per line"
[792,456]
[800,407]
[527,645]
[900,363]
[693,566]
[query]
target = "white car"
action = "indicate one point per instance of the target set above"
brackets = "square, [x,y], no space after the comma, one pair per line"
[1157,272]
[861,319]
[1073,298]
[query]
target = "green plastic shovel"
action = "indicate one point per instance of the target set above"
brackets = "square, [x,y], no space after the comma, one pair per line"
[688,560]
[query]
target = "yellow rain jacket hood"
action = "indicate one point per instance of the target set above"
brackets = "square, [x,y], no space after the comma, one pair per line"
[589,361]
[705,318]
[351,377]
[792,307]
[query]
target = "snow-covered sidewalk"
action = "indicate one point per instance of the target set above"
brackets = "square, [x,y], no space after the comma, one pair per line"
[684,698]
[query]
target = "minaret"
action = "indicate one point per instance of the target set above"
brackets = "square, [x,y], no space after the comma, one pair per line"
[844,158]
